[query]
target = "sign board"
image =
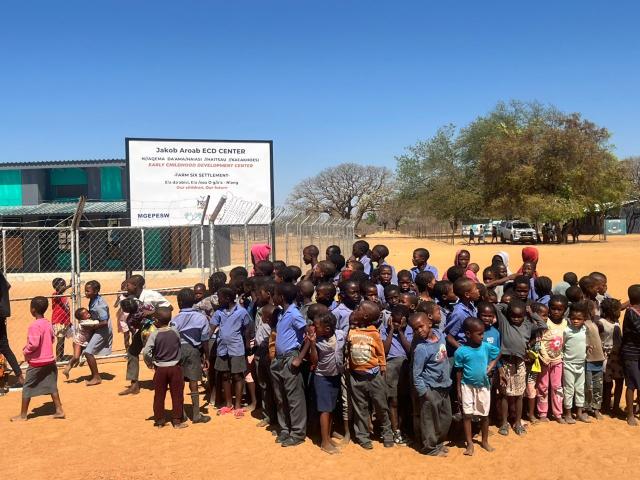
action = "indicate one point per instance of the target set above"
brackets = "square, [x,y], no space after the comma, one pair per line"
[169,179]
[615,226]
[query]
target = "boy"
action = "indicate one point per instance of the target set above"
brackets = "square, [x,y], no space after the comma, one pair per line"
[60,315]
[432,381]
[473,361]
[574,357]
[332,250]
[135,289]
[193,328]
[326,294]
[420,259]
[288,384]
[307,289]
[631,350]
[360,252]
[310,255]
[262,362]
[396,338]
[515,333]
[162,353]
[350,297]
[367,366]
[231,321]
[467,292]
[42,375]
[379,254]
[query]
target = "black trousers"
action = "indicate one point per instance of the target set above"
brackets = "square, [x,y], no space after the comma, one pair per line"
[5,349]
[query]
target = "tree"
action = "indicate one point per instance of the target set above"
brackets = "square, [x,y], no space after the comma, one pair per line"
[392,211]
[632,166]
[346,191]
[436,178]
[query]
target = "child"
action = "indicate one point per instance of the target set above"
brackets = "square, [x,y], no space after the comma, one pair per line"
[360,252]
[288,384]
[419,260]
[264,325]
[431,378]
[193,329]
[310,255]
[391,296]
[472,236]
[551,348]
[467,292]
[522,288]
[432,311]
[487,314]
[405,282]
[445,299]
[42,375]
[575,354]
[231,320]
[60,317]
[162,353]
[473,361]
[425,282]
[379,254]
[350,297]
[306,289]
[385,275]
[326,354]
[542,286]
[630,350]
[532,360]
[326,294]
[121,316]
[367,366]
[611,336]
[81,337]
[209,304]
[594,367]
[475,268]
[515,334]
[102,337]
[396,338]
[574,294]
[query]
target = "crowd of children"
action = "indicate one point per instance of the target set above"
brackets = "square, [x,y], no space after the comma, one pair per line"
[398,356]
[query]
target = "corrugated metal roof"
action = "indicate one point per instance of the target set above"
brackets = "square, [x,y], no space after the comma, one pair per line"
[106,162]
[63,208]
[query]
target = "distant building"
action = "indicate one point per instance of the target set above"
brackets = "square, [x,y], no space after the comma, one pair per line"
[43,193]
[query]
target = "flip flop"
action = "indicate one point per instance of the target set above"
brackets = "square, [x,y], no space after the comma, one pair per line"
[238,413]
[225,410]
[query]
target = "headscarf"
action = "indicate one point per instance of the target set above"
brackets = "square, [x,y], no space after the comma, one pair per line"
[259,252]
[530,254]
[505,260]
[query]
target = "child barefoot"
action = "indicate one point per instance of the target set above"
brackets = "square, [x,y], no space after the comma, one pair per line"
[472,362]
[81,337]
[42,374]
[631,350]
[326,354]
[611,336]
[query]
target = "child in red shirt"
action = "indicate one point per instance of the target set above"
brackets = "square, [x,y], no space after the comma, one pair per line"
[60,316]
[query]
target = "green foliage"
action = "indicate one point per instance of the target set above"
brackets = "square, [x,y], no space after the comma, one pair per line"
[522,160]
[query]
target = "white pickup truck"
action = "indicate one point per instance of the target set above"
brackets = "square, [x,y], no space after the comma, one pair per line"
[516,231]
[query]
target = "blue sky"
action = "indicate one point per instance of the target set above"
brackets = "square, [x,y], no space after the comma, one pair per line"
[328,81]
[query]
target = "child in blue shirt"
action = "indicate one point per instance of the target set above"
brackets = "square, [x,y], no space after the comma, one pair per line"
[432,381]
[231,320]
[473,361]
[396,337]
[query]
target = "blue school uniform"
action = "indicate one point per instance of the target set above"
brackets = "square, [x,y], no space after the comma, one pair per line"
[454,323]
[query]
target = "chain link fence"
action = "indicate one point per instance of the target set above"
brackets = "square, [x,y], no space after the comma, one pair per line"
[431,230]
[168,257]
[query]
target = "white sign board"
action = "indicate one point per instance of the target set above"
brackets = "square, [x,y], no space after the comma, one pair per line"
[170,179]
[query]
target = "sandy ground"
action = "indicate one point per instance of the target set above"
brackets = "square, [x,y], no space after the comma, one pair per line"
[110,437]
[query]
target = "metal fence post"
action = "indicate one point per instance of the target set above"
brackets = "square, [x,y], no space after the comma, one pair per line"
[72,276]
[246,235]
[300,233]
[4,252]
[144,253]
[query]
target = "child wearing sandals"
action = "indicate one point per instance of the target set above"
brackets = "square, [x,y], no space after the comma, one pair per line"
[42,374]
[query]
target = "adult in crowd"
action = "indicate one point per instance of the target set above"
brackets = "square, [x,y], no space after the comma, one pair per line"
[5,349]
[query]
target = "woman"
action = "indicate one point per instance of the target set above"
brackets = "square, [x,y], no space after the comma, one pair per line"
[5,349]
[259,252]
[462,259]
[530,254]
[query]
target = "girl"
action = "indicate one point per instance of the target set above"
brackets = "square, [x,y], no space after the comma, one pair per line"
[326,355]
[425,281]
[530,254]
[462,259]
[551,348]
[82,335]
[611,336]
[575,355]
[42,374]
[102,338]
